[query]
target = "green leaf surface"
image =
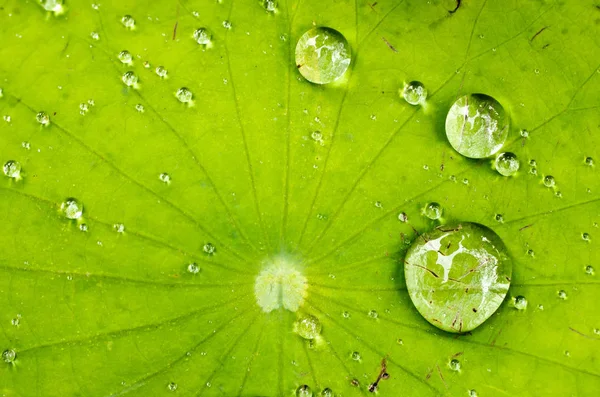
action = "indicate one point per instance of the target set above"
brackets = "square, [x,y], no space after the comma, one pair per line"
[107,313]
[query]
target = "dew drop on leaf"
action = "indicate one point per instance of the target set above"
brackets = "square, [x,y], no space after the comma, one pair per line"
[304,391]
[83,227]
[203,36]
[499,218]
[270,5]
[12,169]
[433,211]
[129,78]
[165,178]
[402,217]
[193,268]
[562,294]
[56,6]
[454,365]
[373,314]
[507,164]
[473,393]
[346,314]
[308,326]
[9,356]
[172,386]
[139,107]
[477,126]
[457,276]
[125,57]
[414,93]
[184,95]
[524,133]
[209,249]
[128,21]
[549,181]
[322,55]
[95,36]
[161,72]
[226,24]
[520,302]
[42,118]
[589,269]
[356,356]
[327,392]
[585,236]
[589,161]
[119,227]
[72,208]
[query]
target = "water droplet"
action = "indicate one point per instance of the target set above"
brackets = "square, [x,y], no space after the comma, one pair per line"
[56,6]
[327,392]
[433,211]
[270,5]
[589,269]
[414,93]
[317,136]
[597,331]
[499,218]
[356,356]
[193,268]
[308,327]
[322,55]
[42,118]
[128,21]
[562,294]
[346,314]
[161,72]
[465,181]
[172,386]
[454,365]
[83,227]
[129,78]
[589,161]
[184,95]
[549,181]
[520,302]
[477,126]
[72,208]
[378,204]
[402,217]
[125,57]
[119,227]
[95,36]
[9,356]
[524,133]
[584,236]
[530,252]
[165,178]
[95,6]
[533,171]
[227,24]
[6,118]
[140,108]
[458,275]
[373,314]
[304,391]
[209,249]
[472,393]
[203,36]
[83,108]
[12,169]
[507,164]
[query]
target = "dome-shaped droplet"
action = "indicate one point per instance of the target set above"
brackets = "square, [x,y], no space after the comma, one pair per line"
[202,36]
[209,248]
[184,95]
[304,391]
[12,169]
[72,208]
[549,181]
[477,126]
[414,93]
[308,327]
[9,356]
[507,164]
[454,365]
[193,268]
[356,356]
[327,392]
[373,314]
[270,5]
[520,303]
[95,36]
[161,71]
[585,236]
[589,269]
[433,211]
[165,178]
[402,217]
[589,161]
[499,218]
[457,275]
[119,227]
[42,118]
[128,21]
[322,55]
[125,57]
[129,78]
[473,393]
[562,294]
[172,386]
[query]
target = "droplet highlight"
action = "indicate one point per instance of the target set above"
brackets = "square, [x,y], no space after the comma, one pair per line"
[322,55]
[308,327]
[507,164]
[414,93]
[72,208]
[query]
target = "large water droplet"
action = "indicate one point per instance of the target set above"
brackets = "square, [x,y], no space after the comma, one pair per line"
[304,391]
[42,118]
[72,208]
[9,356]
[433,211]
[308,327]
[12,169]
[507,164]
[128,21]
[549,181]
[457,276]
[477,126]
[125,57]
[414,93]
[322,55]
[203,36]
[184,95]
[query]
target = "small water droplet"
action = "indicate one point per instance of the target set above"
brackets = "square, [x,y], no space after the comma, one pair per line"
[42,118]
[140,108]
[454,365]
[524,133]
[9,356]
[161,72]
[589,161]
[317,136]
[270,5]
[12,169]
[129,78]
[373,314]
[507,164]
[128,21]
[477,126]
[346,314]
[414,93]
[72,208]
[520,302]
[119,227]
[193,268]
[585,236]
[172,386]
[533,171]
[95,6]
[597,331]
[308,327]
[203,36]
[399,341]
[327,392]
[530,252]
[433,211]
[125,57]
[209,249]
[304,391]
[472,393]
[6,118]
[589,269]
[83,227]
[56,6]
[402,217]
[356,356]
[378,204]
[562,294]
[95,36]
[164,177]
[184,95]
[549,181]
[465,181]
[16,321]
[499,218]
[322,55]
[227,24]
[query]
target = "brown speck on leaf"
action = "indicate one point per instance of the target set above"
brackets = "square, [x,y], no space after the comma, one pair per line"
[389,44]
[455,8]
[538,33]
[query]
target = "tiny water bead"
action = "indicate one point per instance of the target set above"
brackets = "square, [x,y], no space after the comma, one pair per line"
[507,164]
[499,218]
[458,275]
[209,249]
[327,392]
[520,302]
[280,285]
[128,21]
[304,391]
[454,365]
[270,5]
[355,356]
[589,161]
[203,36]
[585,236]
[524,133]
[125,57]
[119,227]
[402,217]
[42,118]
[193,268]
[161,72]
[172,386]
[549,181]
[72,208]
[12,169]
[322,55]
[433,211]
[473,393]
[477,126]
[589,269]
[9,356]
[140,108]
[308,327]
[226,24]
[184,95]
[95,36]
[562,294]
[373,314]
[414,93]
[129,78]
[165,178]
[317,136]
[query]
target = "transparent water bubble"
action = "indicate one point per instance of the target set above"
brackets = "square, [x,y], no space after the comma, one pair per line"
[317,136]
[356,356]
[172,386]
[161,72]
[454,365]
[128,21]
[585,236]
[203,36]
[227,24]
[499,218]
[270,5]
[549,181]
[589,161]
[562,294]
[458,275]
[125,57]
[95,36]
[414,93]
[55,6]
[119,227]
[72,208]
[402,217]
[473,393]
[193,268]
[433,211]
[308,327]
[477,126]
[524,133]
[83,227]
[520,302]
[165,178]
[129,78]
[9,356]
[589,269]
[322,55]
[184,95]
[373,314]
[346,314]
[209,249]
[12,169]
[304,391]
[507,164]
[43,118]
[140,108]
[327,392]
